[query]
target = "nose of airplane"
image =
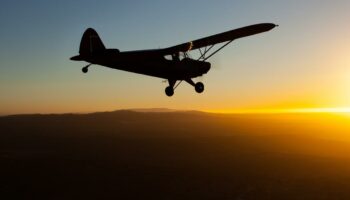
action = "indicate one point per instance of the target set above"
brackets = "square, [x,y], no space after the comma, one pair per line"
[206,67]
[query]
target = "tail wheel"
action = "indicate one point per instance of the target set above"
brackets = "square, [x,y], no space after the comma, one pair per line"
[169,91]
[84,69]
[199,87]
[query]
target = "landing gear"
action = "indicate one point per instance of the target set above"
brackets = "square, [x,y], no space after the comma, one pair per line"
[85,69]
[169,91]
[199,87]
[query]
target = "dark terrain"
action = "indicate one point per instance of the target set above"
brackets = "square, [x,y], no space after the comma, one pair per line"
[177,155]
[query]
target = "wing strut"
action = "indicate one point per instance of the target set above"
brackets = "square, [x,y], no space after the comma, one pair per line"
[203,56]
[177,84]
[205,51]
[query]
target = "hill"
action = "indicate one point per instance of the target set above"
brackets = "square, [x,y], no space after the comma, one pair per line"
[175,155]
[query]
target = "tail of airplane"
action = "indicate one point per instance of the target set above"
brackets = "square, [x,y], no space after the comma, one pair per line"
[90,43]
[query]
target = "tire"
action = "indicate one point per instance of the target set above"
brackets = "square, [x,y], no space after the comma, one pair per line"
[85,69]
[199,87]
[169,91]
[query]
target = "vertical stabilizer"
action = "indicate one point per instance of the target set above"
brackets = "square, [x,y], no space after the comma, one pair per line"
[90,43]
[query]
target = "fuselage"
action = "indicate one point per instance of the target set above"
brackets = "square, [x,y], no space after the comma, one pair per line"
[148,62]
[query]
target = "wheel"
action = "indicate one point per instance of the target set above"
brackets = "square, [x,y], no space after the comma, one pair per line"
[85,69]
[199,87]
[169,91]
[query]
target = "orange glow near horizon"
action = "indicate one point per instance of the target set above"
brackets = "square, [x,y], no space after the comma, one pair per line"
[283,110]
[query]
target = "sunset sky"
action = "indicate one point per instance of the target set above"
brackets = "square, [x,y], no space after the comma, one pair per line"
[303,63]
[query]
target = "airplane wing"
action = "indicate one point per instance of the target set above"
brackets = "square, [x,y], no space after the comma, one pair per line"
[228,36]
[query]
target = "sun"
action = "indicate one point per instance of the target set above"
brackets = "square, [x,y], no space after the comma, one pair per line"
[325,110]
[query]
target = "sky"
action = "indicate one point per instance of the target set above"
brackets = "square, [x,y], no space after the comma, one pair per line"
[303,63]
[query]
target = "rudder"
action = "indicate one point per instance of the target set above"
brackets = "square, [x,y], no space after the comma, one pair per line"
[90,43]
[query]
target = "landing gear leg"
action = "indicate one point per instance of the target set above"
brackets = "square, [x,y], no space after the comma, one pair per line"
[199,86]
[169,91]
[85,69]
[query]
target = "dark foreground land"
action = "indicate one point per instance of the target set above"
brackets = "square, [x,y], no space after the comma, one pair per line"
[187,155]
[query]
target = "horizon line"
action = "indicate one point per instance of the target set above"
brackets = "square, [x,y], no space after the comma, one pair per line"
[281,110]
[213,111]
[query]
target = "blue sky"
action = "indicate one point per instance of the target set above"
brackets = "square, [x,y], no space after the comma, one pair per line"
[301,63]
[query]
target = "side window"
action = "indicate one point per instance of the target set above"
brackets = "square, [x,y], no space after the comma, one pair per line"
[168,57]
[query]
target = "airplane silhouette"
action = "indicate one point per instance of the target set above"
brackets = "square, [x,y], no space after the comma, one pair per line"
[173,63]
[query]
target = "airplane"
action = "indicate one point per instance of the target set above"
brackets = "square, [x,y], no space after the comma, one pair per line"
[173,63]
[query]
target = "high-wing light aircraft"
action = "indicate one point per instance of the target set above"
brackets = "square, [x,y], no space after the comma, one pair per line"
[173,64]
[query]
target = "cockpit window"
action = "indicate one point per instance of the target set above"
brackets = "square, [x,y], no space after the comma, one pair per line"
[168,57]
[178,57]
